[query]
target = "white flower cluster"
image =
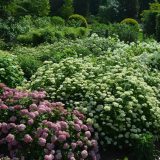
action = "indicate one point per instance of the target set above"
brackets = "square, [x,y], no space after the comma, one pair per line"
[118,91]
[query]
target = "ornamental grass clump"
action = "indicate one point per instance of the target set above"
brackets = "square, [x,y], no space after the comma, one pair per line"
[33,128]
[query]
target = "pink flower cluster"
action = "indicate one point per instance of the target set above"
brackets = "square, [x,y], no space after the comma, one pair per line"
[32,127]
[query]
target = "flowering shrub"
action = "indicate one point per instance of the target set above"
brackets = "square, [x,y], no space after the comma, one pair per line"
[10,72]
[117,91]
[33,128]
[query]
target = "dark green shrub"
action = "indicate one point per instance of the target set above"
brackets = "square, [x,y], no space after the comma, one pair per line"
[149,22]
[144,147]
[29,64]
[55,20]
[158,27]
[10,72]
[79,19]
[100,29]
[2,44]
[130,21]
[149,19]
[125,32]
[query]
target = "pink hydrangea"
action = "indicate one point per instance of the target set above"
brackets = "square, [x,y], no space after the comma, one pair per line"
[10,138]
[77,127]
[21,127]
[28,138]
[30,122]
[42,142]
[73,145]
[84,154]
[48,157]
[62,138]
[88,134]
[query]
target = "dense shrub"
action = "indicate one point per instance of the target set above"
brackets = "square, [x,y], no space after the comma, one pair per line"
[125,32]
[57,21]
[20,8]
[33,128]
[115,91]
[130,21]
[149,22]
[79,20]
[100,29]
[149,18]
[51,34]
[29,64]
[10,72]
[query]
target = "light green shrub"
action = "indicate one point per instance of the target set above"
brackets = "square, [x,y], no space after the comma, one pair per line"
[111,90]
[79,19]
[130,21]
[10,72]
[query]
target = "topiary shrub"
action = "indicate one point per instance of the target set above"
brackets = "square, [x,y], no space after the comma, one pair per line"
[79,20]
[131,22]
[10,72]
[34,128]
[57,21]
[113,92]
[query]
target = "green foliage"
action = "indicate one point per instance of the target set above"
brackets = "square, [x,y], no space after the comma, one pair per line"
[57,21]
[29,7]
[149,22]
[29,64]
[51,34]
[67,9]
[131,22]
[109,11]
[100,29]
[125,32]
[10,72]
[144,147]
[158,27]
[149,19]
[78,19]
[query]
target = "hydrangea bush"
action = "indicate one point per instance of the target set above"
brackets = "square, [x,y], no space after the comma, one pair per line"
[118,91]
[10,72]
[33,128]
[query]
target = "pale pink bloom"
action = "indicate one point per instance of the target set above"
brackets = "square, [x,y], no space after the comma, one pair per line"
[84,154]
[49,157]
[10,138]
[30,122]
[3,107]
[73,145]
[28,138]
[42,142]
[21,127]
[62,138]
[77,127]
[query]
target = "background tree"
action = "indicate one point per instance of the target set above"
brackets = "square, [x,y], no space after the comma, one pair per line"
[29,7]
[67,9]
[82,7]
